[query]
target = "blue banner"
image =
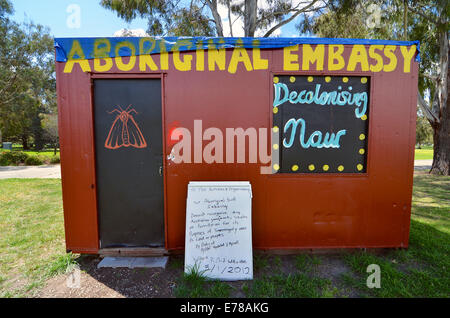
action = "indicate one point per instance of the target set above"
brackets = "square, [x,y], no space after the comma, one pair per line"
[132,46]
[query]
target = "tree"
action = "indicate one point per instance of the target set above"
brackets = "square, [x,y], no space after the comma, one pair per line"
[424,132]
[350,19]
[50,125]
[435,15]
[191,21]
[27,82]
[206,17]
[11,58]
[424,20]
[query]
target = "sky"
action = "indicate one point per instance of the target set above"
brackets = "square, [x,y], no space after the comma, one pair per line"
[94,21]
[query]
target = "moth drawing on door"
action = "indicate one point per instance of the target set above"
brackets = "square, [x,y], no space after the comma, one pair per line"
[125,131]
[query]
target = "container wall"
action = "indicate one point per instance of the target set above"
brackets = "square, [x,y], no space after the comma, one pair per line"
[289,210]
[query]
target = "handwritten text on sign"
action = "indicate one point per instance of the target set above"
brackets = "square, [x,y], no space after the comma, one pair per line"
[324,123]
[218,230]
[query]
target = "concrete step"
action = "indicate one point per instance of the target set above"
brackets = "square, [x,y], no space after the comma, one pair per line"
[133,262]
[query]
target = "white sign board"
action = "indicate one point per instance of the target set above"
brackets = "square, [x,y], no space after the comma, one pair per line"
[219,230]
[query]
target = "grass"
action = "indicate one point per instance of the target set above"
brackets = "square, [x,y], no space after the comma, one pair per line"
[294,285]
[195,284]
[423,269]
[176,263]
[32,250]
[423,154]
[32,235]
[259,262]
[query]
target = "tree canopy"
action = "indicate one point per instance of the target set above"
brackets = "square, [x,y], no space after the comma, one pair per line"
[207,17]
[423,20]
[27,80]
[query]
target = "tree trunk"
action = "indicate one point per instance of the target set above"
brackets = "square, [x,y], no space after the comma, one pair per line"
[25,142]
[229,18]
[212,4]
[441,136]
[250,15]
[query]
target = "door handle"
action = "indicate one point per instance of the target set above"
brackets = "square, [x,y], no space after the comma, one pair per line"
[160,170]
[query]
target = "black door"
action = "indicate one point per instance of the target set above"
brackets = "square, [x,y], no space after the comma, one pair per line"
[128,143]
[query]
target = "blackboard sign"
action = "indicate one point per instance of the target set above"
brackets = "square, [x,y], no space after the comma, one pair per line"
[219,230]
[322,123]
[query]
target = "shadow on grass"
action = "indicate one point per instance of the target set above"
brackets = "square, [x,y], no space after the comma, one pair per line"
[434,188]
[195,284]
[420,271]
[295,285]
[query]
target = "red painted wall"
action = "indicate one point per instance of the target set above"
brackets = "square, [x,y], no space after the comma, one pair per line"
[289,211]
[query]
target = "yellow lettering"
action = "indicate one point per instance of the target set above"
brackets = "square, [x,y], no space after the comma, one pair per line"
[311,55]
[290,61]
[407,57]
[182,65]
[163,56]
[145,60]
[99,67]
[200,58]
[389,52]
[81,60]
[378,67]
[216,57]
[335,56]
[258,62]
[179,64]
[101,49]
[239,55]
[131,62]
[358,55]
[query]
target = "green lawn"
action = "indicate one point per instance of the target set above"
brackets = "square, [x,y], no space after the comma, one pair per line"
[32,250]
[32,234]
[425,153]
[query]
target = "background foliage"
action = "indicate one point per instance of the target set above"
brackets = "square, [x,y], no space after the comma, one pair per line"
[27,80]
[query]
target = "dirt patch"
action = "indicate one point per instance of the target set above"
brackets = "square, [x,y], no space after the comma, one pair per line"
[15,283]
[116,283]
[155,283]
[332,268]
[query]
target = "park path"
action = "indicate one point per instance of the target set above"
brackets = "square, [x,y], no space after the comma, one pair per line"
[54,171]
[43,172]
[423,164]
